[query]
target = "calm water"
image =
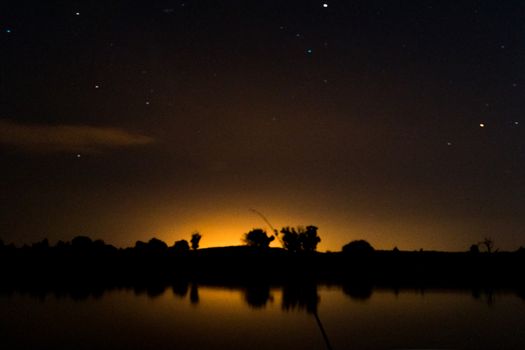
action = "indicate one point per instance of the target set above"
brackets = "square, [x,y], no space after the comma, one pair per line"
[265,318]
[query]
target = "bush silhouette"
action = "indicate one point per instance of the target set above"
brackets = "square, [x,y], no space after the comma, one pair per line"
[359,247]
[258,238]
[474,249]
[181,246]
[81,242]
[157,244]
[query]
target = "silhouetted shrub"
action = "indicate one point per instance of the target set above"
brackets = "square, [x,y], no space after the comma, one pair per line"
[195,239]
[181,246]
[140,246]
[81,242]
[358,247]
[42,245]
[157,244]
[474,249]
[61,245]
[257,238]
[99,244]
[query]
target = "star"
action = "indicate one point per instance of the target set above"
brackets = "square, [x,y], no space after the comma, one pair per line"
[325,5]
[516,123]
[147,103]
[79,155]
[77,13]
[97,86]
[8,31]
[449,144]
[309,51]
[481,125]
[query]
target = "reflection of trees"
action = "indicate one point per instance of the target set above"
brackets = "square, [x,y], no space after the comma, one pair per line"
[155,290]
[487,294]
[194,294]
[180,288]
[521,293]
[304,296]
[257,296]
[300,296]
[358,291]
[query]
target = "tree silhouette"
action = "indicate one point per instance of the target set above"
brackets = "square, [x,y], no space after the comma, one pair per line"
[309,239]
[290,238]
[257,238]
[474,249]
[195,239]
[298,239]
[488,243]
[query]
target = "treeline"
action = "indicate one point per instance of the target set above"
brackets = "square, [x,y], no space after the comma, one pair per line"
[87,261]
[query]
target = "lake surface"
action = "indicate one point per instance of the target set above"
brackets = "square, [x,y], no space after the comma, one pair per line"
[214,317]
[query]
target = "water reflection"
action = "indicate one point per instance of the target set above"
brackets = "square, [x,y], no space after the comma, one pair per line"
[180,288]
[194,294]
[289,316]
[257,296]
[359,292]
[301,296]
[294,296]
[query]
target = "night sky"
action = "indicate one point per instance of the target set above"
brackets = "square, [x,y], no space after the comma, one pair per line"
[398,122]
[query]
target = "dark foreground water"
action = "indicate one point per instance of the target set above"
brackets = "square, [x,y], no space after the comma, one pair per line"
[211,317]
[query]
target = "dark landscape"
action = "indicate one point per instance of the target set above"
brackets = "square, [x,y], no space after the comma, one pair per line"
[94,265]
[262,174]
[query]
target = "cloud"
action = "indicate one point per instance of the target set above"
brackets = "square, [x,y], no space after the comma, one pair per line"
[67,138]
